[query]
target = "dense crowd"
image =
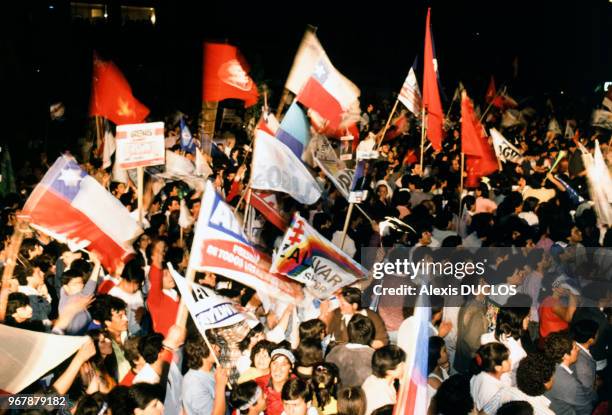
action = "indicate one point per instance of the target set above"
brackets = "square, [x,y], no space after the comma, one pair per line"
[545,349]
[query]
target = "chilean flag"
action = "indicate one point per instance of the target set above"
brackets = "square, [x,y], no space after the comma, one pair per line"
[75,208]
[412,396]
[329,93]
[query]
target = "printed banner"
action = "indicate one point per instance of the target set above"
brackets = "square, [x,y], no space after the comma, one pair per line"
[307,257]
[208,309]
[140,145]
[220,246]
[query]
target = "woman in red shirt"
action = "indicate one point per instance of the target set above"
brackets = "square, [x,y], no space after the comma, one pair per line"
[556,311]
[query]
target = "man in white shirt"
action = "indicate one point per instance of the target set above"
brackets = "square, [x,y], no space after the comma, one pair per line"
[534,377]
[128,290]
[388,364]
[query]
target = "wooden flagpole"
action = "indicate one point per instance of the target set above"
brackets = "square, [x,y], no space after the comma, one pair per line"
[461,175]
[384,130]
[9,267]
[281,104]
[346,224]
[140,191]
[423,128]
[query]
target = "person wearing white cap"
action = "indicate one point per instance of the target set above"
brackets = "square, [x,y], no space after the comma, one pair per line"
[281,366]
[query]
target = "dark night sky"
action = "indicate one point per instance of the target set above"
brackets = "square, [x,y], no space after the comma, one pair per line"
[560,46]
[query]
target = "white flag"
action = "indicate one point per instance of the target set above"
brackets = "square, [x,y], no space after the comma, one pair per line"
[410,95]
[276,167]
[202,168]
[554,127]
[600,184]
[109,149]
[569,131]
[185,218]
[27,355]
[208,309]
[504,150]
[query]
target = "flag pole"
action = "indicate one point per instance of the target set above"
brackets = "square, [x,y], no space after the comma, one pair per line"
[424,115]
[461,177]
[503,90]
[346,224]
[281,104]
[452,102]
[140,172]
[384,130]
[9,267]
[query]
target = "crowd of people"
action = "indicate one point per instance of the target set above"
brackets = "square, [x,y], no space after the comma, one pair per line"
[544,350]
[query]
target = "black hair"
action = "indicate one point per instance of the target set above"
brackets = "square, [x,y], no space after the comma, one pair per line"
[325,377]
[133,272]
[557,345]
[308,353]
[196,349]
[149,347]
[533,372]
[311,329]
[22,272]
[141,394]
[296,389]
[352,295]
[386,358]
[453,397]
[509,322]
[436,344]
[16,300]
[112,304]
[244,343]
[69,275]
[361,330]
[490,355]
[515,408]
[242,395]
[91,404]
[530,204]
[583,330]
[384,410]
[351,401]
[259,346]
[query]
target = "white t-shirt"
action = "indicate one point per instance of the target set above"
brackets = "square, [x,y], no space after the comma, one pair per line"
[378,393]
[483,387]
[517,353]
[146,375]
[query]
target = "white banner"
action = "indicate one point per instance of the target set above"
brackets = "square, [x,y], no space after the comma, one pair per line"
[140,145]
[208,309]
[27,355]
[504,150]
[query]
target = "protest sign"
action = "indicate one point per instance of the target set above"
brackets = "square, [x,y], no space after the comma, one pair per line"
[140,145]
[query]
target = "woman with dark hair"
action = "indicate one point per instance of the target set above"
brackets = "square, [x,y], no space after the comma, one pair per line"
[324,383]
[492,361]
[511,323]
[308,353]
[246,345]
[260,361]
[437,365]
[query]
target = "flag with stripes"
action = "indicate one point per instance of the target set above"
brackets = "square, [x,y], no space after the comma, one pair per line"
[410,95]
[412,396]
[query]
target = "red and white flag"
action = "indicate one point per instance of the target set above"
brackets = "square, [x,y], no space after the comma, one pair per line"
[267,205]
[410,95]
[75,207]
[320,86]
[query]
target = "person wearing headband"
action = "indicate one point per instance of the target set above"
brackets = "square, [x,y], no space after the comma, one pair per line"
[282,362]
[248,399]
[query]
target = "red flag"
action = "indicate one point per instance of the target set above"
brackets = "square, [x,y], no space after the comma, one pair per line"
[265,203]
[111,96]
[225,75]
[401,125]
[431,96]
[481,159]
[491,91]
